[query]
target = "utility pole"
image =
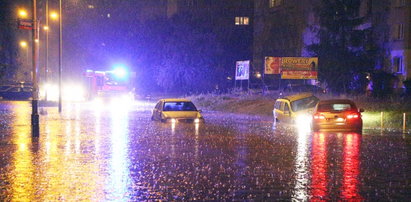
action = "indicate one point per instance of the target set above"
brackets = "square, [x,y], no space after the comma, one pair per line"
[34,103]
[60,54]
[46,64]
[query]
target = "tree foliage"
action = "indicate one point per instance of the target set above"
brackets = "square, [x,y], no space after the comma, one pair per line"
[343,46]
[8,48]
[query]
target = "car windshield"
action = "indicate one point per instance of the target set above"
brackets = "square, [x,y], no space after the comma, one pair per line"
[338,107]
[305,103]
[179,106]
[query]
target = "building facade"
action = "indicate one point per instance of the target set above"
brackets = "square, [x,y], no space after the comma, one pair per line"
[286,27]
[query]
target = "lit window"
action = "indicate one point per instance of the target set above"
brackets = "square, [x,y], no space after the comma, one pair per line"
[242,21]
[275,3]
[397,65]
[398,32]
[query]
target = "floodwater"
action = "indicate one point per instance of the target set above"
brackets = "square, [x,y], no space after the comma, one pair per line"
[94,153]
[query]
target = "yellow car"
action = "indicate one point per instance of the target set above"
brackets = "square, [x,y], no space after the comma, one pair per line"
[176,110]
[295,108]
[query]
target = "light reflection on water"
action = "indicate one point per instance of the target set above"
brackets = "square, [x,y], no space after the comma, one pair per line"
[22,176]
[351,167]
[301,167]
[319,166]
[119,179]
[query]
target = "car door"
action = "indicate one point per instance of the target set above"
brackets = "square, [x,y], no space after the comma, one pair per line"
[287,113]
[157,111]
[279,114]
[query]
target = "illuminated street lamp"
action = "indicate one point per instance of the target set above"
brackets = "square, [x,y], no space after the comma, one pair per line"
[54,15]
[22,13]
[24,45]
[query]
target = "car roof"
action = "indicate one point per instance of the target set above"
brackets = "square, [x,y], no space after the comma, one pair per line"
[175,100]
[298,96]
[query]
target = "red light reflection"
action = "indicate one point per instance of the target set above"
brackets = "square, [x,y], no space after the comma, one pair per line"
[351,166]
[319,167]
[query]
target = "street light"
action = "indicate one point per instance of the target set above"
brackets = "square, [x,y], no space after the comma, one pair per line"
[54,15]
[24,45]
[22,13]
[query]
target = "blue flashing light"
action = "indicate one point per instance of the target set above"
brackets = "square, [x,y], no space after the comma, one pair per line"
[120,72]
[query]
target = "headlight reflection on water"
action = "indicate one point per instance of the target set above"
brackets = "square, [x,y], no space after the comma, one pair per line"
[303,123]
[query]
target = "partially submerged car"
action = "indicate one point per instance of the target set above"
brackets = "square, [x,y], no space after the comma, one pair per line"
[291,109]
[337,115]
[176,110]
[16,92]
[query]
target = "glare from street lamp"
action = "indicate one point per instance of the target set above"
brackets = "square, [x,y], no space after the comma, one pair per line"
[54,15]
[23,44]
[23,13]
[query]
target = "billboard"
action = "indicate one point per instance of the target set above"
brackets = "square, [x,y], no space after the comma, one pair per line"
[292,67]
[272,65]
[299,68]
[242,70]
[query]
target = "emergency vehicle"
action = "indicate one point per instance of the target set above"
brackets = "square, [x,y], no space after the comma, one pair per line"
[108,84]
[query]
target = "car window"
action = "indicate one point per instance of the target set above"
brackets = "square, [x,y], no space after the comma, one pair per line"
[2,88]
[157,106]
[305,103]
[281,106]
[335,107]
[15,89]
[179,106]
[26,89]
[277,105]
[286,107]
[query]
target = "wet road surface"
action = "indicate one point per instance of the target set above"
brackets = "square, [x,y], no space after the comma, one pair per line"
[89,154]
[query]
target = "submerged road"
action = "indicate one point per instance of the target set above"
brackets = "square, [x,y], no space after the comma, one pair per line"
[94,153]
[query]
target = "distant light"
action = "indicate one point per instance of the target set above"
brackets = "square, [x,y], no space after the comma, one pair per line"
[46,28]
[258,75]
[89,70]
[23,44]
[90,6]
[229,78]
[36,40]
[108,15]
[120,72]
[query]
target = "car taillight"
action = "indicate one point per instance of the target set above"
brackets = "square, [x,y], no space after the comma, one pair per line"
[352,116]
[319,116]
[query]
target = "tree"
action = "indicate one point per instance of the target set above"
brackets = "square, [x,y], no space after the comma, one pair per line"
[343,46]
[8,48]
[188,62]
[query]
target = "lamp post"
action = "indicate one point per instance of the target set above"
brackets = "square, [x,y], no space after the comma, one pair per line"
[35,115]
[46,63]
[60,54]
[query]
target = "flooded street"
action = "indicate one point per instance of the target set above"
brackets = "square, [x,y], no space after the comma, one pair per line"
[95,154]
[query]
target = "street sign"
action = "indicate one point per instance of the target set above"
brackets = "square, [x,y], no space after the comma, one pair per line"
[25,24]
[242,70]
